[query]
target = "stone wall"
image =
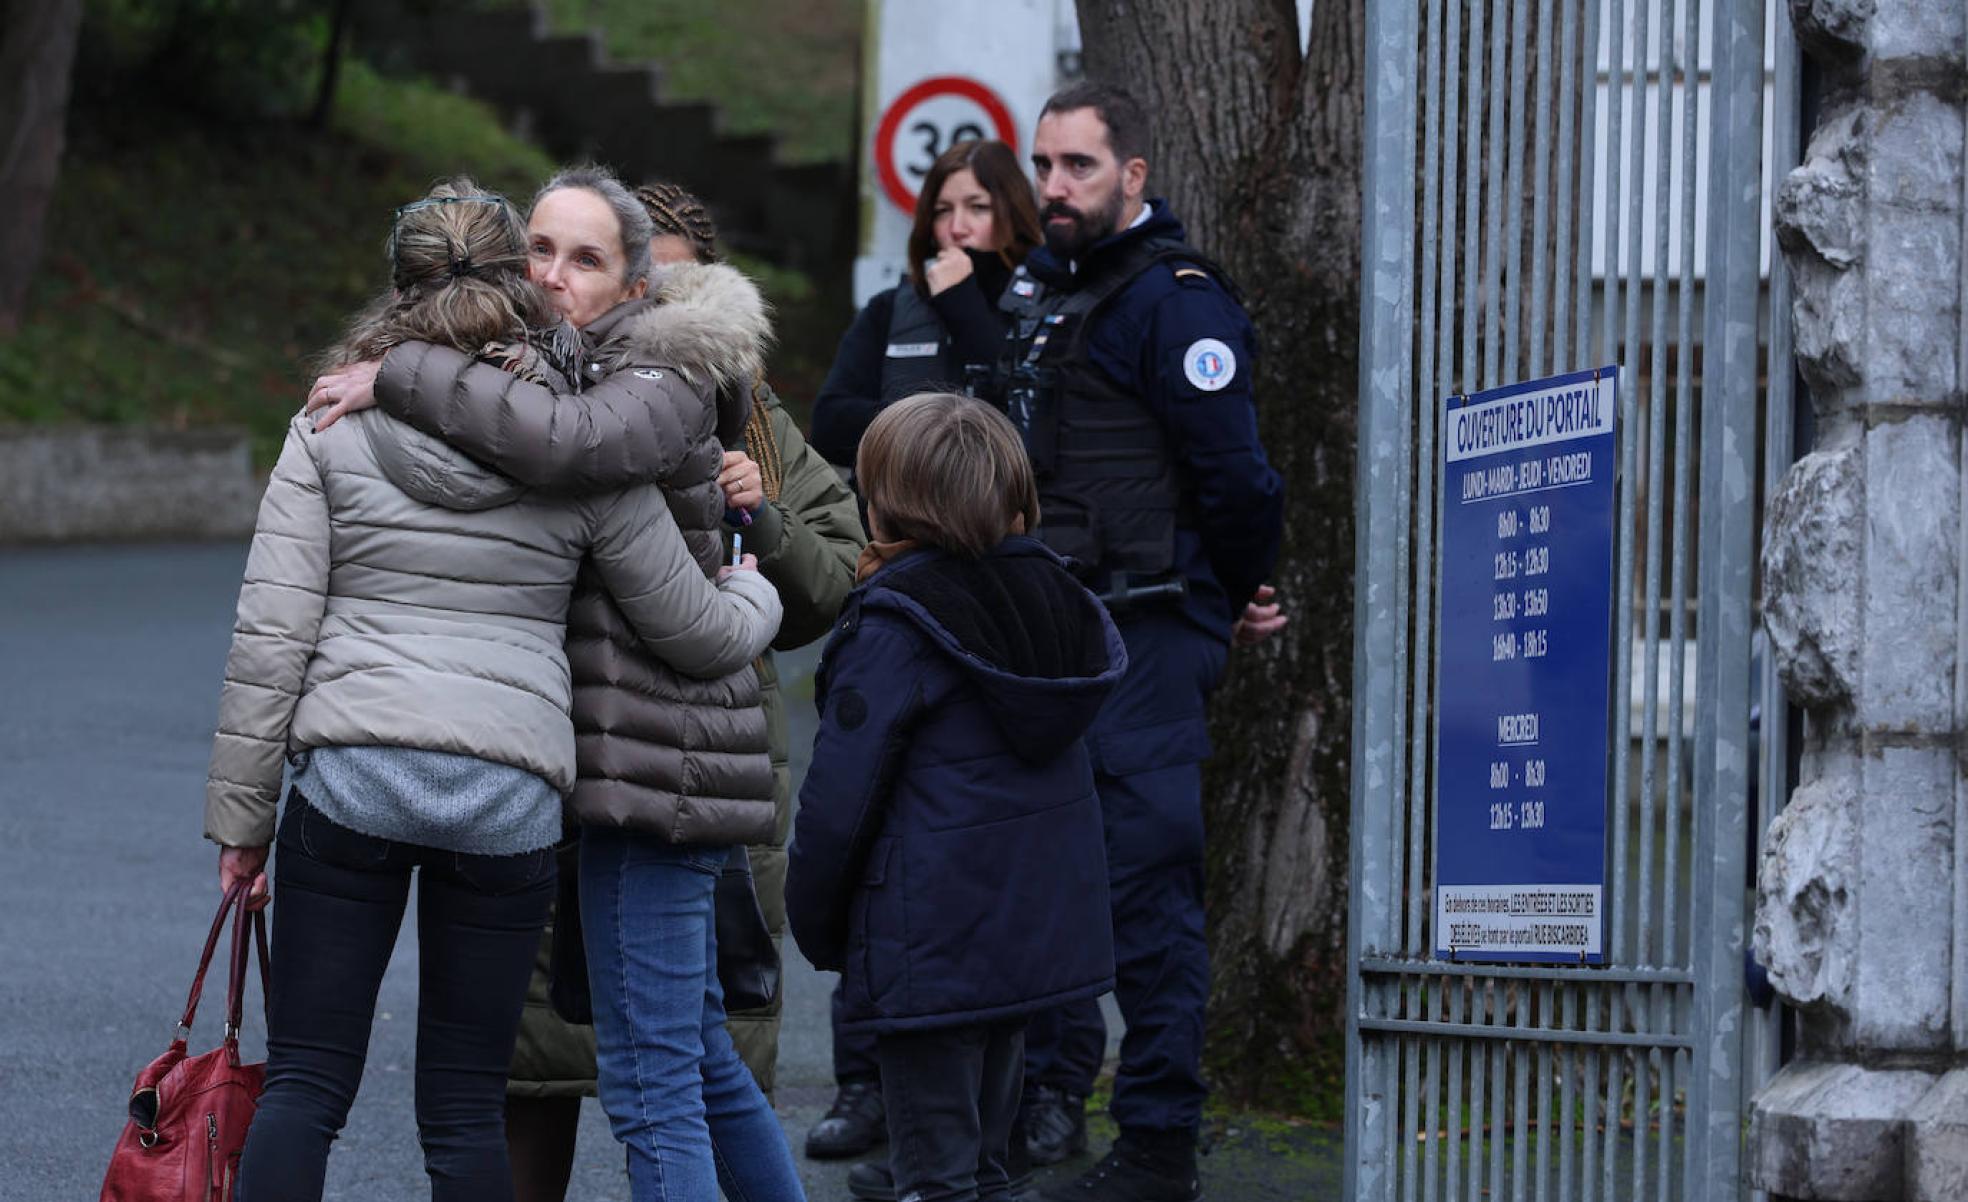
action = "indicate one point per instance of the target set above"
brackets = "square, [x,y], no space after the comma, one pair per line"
[1862,909]
[123,483]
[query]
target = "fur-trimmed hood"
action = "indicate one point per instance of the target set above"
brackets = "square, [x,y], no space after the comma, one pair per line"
[707,321]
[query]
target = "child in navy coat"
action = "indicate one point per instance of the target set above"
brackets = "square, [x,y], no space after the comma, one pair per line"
[948,858]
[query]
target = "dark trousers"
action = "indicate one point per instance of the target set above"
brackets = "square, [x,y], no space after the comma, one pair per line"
[951,1095]
[339,897]
[1148,745]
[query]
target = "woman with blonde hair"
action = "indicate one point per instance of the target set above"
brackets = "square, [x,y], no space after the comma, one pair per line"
[400,642]
[672,772]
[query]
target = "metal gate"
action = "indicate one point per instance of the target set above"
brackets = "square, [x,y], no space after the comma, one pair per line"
[1554,185]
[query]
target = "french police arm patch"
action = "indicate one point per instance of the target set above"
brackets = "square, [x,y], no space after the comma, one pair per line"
[1210,364]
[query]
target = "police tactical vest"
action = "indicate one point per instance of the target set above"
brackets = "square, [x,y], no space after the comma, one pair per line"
[918,347]
[1109,492]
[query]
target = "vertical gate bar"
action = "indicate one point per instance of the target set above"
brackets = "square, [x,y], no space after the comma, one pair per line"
[1513,192]
[1427,407]
[1546,1012]
[1658,482]
[1403,1051]
[1499,1093]
[1401,522]
[1649,607]
[1385,379]
[1676,1073]
[1589,1162]
[1568,1064]
[1541,317]
[1623,585]
[1445,367]
[1482,1138]
[1410,1109]
[1778,453]
[1457,1107]
[1588,171]
[1520,1076]
[1725,559]
[1615,1070]
[1644,1065]
[1431,1077]
[1541,1122]
[1494,202]
[1615,86]
[1635,195]
[1567,191]
[1661,1140]
[1684,400]
[1472,191]
[1423,496]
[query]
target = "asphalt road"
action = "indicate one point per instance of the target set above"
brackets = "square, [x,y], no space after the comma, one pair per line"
[110,661]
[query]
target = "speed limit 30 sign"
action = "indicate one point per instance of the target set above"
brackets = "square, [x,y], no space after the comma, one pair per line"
[928,118]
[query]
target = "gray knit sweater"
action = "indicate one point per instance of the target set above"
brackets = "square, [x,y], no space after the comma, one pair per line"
[431,798]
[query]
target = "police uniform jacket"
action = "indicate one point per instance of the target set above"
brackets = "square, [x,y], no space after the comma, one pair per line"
[903,342]
[1179,340]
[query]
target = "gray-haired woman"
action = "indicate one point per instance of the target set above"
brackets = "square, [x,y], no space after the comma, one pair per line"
[673,771]
[400,642]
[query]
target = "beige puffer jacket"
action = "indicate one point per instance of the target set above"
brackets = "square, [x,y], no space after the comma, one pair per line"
[397,593]
[666,381]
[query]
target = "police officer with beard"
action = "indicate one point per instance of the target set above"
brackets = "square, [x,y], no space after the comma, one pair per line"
[1128,369]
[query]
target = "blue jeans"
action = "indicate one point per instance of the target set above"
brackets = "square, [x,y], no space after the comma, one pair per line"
[684,1106]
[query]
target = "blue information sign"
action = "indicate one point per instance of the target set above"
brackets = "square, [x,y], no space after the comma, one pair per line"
[1525,669]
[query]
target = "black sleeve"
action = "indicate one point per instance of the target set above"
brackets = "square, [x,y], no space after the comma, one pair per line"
[851,395]
[977,329]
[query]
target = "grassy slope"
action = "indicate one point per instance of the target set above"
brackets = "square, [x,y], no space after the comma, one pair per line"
[772,66]
[194,266]
[190,272]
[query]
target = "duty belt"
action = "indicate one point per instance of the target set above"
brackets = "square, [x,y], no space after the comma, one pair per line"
[1129,591]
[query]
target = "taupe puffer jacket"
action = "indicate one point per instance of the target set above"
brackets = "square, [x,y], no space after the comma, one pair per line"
[399,594]
[665,381]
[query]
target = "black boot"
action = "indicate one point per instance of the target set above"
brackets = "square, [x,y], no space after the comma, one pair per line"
[855,1123]
[1144,1166]
[1055,1124]
[871,1180]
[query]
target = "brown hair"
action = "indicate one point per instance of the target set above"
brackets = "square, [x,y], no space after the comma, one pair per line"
[947,471]
[678,213]
[1012,205]
[457,275]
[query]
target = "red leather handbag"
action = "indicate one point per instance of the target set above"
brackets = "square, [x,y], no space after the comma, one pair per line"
[189,1114]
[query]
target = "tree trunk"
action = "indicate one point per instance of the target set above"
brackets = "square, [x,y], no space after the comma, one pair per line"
[1258,147]
[331,66]
[37,49]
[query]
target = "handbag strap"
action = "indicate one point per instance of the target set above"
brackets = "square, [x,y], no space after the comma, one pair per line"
[242,950]
[233,896]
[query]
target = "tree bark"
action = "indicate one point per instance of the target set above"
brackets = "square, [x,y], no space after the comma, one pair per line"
[1258,147]
[37,50]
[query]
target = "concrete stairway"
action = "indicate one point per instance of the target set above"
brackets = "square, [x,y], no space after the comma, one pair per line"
[570,98]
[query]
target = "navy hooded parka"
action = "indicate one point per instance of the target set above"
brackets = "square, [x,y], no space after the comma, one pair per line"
[948,856]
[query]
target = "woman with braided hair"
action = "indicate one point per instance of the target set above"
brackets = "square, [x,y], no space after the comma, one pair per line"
[400,642]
